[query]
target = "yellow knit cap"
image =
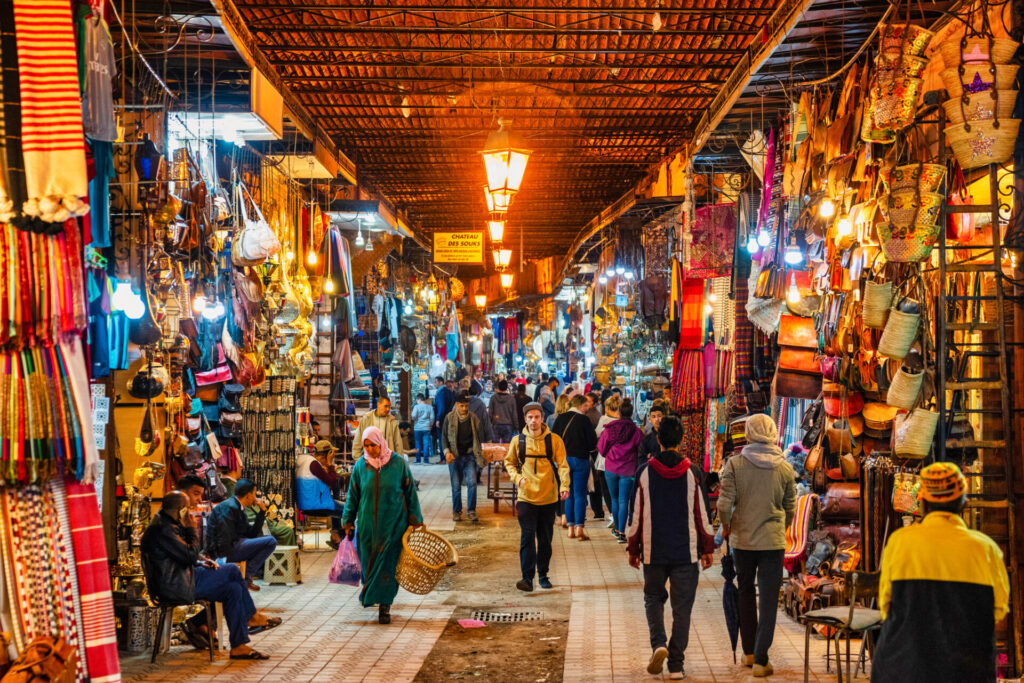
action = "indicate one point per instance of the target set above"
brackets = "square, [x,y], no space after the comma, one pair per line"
[942,482]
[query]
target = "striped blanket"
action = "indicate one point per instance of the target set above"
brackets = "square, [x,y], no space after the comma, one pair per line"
[799,532]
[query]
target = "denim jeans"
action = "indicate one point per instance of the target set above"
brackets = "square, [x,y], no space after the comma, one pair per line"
[462,470]
[424,445]
[682,581]
[254,552]
[503,433]
[758,609]
[576,505]
[227,586]
[619,488]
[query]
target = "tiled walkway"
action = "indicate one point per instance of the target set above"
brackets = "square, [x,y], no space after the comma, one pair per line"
[327,635]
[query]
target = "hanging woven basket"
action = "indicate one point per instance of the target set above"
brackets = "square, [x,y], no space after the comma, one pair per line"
[904,389]
[977,50]
[877,297]
[914,432]
[978,78]
[899,334]
[984,143]
[982,106]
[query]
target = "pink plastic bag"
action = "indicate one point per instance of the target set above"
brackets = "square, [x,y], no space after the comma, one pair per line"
[346,569]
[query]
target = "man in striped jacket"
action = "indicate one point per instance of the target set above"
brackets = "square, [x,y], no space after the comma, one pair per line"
[669,534]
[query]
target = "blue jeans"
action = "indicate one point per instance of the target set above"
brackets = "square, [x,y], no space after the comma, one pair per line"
[254,552]
[227,586]
[576,505]
[619,488]
[462,470]
[424,445]
[503,433]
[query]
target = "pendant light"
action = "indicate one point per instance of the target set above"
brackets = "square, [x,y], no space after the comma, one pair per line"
[793,296]
[507,279]
[505,159]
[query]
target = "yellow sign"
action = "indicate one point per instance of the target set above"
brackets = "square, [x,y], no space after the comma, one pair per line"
[459,247]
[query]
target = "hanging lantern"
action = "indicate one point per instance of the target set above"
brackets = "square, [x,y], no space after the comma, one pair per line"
[507,279]
[480,300]
[497,202]
[502,258]
[497,230]
[505,160]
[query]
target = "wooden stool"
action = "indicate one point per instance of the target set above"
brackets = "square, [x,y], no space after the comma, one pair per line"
[282,567]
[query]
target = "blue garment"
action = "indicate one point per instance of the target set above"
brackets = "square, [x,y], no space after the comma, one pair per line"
[576,505]
[226,585]
[99,313]
[422,417]
[254,552]
[463,470]
[444,403]
[452,346]
[311,493]
[619,487]
[424,444]
[99,193]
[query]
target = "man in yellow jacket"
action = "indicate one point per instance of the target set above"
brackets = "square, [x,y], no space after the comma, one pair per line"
[541,474]
[943,589]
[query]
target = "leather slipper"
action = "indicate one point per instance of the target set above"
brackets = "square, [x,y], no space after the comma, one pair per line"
[271,623]
[252,654]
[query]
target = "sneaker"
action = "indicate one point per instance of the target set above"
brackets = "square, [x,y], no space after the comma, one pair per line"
[657,661]
[545,583]
[456,516]
[621,538]
[763,670]
[677,675]
[611,523]
[525,585]
[472,516]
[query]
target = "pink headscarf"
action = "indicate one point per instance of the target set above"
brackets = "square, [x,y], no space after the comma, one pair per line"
[376,436]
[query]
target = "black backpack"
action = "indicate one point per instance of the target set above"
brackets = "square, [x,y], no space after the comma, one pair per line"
[549,455]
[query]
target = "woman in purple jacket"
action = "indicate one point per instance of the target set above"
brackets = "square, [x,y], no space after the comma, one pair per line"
[620,445]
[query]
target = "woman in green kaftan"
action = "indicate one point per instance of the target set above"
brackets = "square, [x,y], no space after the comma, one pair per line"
[381,504]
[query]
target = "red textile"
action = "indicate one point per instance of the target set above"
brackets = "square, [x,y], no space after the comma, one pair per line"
[714,235]
[691,323]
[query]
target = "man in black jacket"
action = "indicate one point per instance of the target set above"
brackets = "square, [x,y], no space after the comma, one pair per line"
[177,576]
[580,439]
[232,537]
[649,447]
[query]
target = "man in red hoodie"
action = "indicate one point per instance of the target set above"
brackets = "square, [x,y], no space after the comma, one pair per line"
[669,534]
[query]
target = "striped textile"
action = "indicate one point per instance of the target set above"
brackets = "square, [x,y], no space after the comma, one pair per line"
[62,538]
[53,144]
[799,533]
[90,551]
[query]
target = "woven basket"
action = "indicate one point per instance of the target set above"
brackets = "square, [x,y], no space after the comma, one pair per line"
[911,66]
[899,334]
[977,50]
[877,297]
[984,143]
[426,558]
[981,107]
[902,207]
[908,246]
[893,43]
[914,432]
[904,389]
[927,176]
[895,102]
[977,78]
[869,132]
[878,416]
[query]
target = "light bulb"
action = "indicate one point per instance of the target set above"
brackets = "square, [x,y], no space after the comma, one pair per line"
[329,285]
[764,238]
[708,309]
[311,257]
[752,245]
[603,280]
[289,256]
[619,270]
[630,275]
[213,311]
[794,256]
[359,238]
[610,272]
[369,244]
[793,296]
[199,303]
[827,208]
[135,308]
[123,295]
[843,228]
[712,297]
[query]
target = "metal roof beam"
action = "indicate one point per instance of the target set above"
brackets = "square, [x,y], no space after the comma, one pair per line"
[540,8]
[505,67]
[547,51]
[277,27]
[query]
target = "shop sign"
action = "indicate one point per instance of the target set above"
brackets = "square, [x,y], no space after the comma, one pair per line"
[459,247]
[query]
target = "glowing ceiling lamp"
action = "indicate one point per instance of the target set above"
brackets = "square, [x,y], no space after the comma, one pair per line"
[506,280]
[793,255]
[502,258]
[505,160]
[793,296]
[752,245]
[497,230]
[827,208]
[843,228]
[369,244]
[480,300]
[497,202]
[359,241]
[126,300]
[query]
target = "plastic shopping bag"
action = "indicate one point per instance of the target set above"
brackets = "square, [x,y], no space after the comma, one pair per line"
[346,569]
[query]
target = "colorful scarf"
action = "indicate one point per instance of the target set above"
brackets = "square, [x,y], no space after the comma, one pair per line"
[691,321]
[374,435]
[714,235]
[53,143]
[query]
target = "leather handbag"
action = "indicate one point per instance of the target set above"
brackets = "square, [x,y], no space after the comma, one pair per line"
[46,660]
[842,501]
[799,368]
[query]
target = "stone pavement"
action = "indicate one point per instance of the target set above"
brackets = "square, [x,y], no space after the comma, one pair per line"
[327,635]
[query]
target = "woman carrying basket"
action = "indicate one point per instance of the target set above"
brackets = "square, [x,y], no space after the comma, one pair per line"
[382,504]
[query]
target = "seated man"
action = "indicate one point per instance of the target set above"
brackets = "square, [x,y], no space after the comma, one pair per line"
[230,534]
[170,557]
[317,485]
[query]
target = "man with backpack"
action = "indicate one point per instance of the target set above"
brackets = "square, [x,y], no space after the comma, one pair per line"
[536,463]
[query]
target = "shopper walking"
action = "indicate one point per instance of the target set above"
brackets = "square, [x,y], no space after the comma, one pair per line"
[944,588]
[546,395]
[460,441]
[756,504]
[561,408]
[669,535]
[478,408]
[600,497]
[381,504]
[422,422]
[577,433]
[536,462]
[382,419]
[444,403]
[619,444]
[521,402]
[650,446]
[503,413]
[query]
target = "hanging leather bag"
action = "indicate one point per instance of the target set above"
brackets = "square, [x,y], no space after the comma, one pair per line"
[799,368]
[47,659]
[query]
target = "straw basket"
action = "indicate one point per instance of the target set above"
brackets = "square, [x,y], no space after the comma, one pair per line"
[426,558]
[977,78]
[877,297]
[895,102]
[908,245]
[899,334]
[904,389]
[914,432]
[927,176]
[977,50]
[893,42]
[984,143]
[911,66]
[981,107]
[903,206]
